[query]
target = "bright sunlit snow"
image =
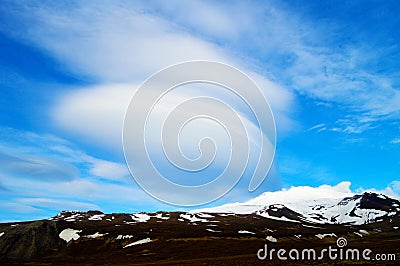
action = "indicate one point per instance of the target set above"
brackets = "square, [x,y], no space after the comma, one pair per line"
[69,234]
[139,242]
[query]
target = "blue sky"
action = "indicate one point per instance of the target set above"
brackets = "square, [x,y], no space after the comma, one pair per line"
[67,70]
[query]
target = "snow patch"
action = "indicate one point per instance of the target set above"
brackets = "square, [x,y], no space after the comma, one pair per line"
[271,239]
[193,218]
[119,237]
[205,215]
[139,242]
[97,217]
[1,234]
[276,207]
[73,217]
[96,235]
[245,232]
[160,216]
[322,236]
[214,231]
[265,214]
[310,226]
[226,214]
[140,217]
[69,234]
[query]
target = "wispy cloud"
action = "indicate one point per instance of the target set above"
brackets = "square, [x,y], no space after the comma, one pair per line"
[36,167]
[38,208]
[121,48]
[49,158]
[353,125]
[315,60]
[56,205]
[318,128]
[395,141]
[42,179]
[145,39]
[349,124]
[99,183]
[115,43]
[391,190]
[3,188]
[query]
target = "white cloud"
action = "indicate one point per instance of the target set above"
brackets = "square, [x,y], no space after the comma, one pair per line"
[95,113]
[87,187]
[395,141]
[15,207]
[311,62]
[392,190]
[139,43]
[209,18]
[395,185]
[109,170]
[352,124]
[97,167]
[55,204]
[318,128]
[131,48]
[304,193]
[126,43]
[112,43]
[47,158]
[36,167]
[99,184]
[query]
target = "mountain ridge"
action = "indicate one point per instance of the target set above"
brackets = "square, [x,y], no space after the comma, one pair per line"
[72,237]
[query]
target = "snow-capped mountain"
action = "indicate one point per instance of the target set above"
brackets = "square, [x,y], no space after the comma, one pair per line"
[323,205]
